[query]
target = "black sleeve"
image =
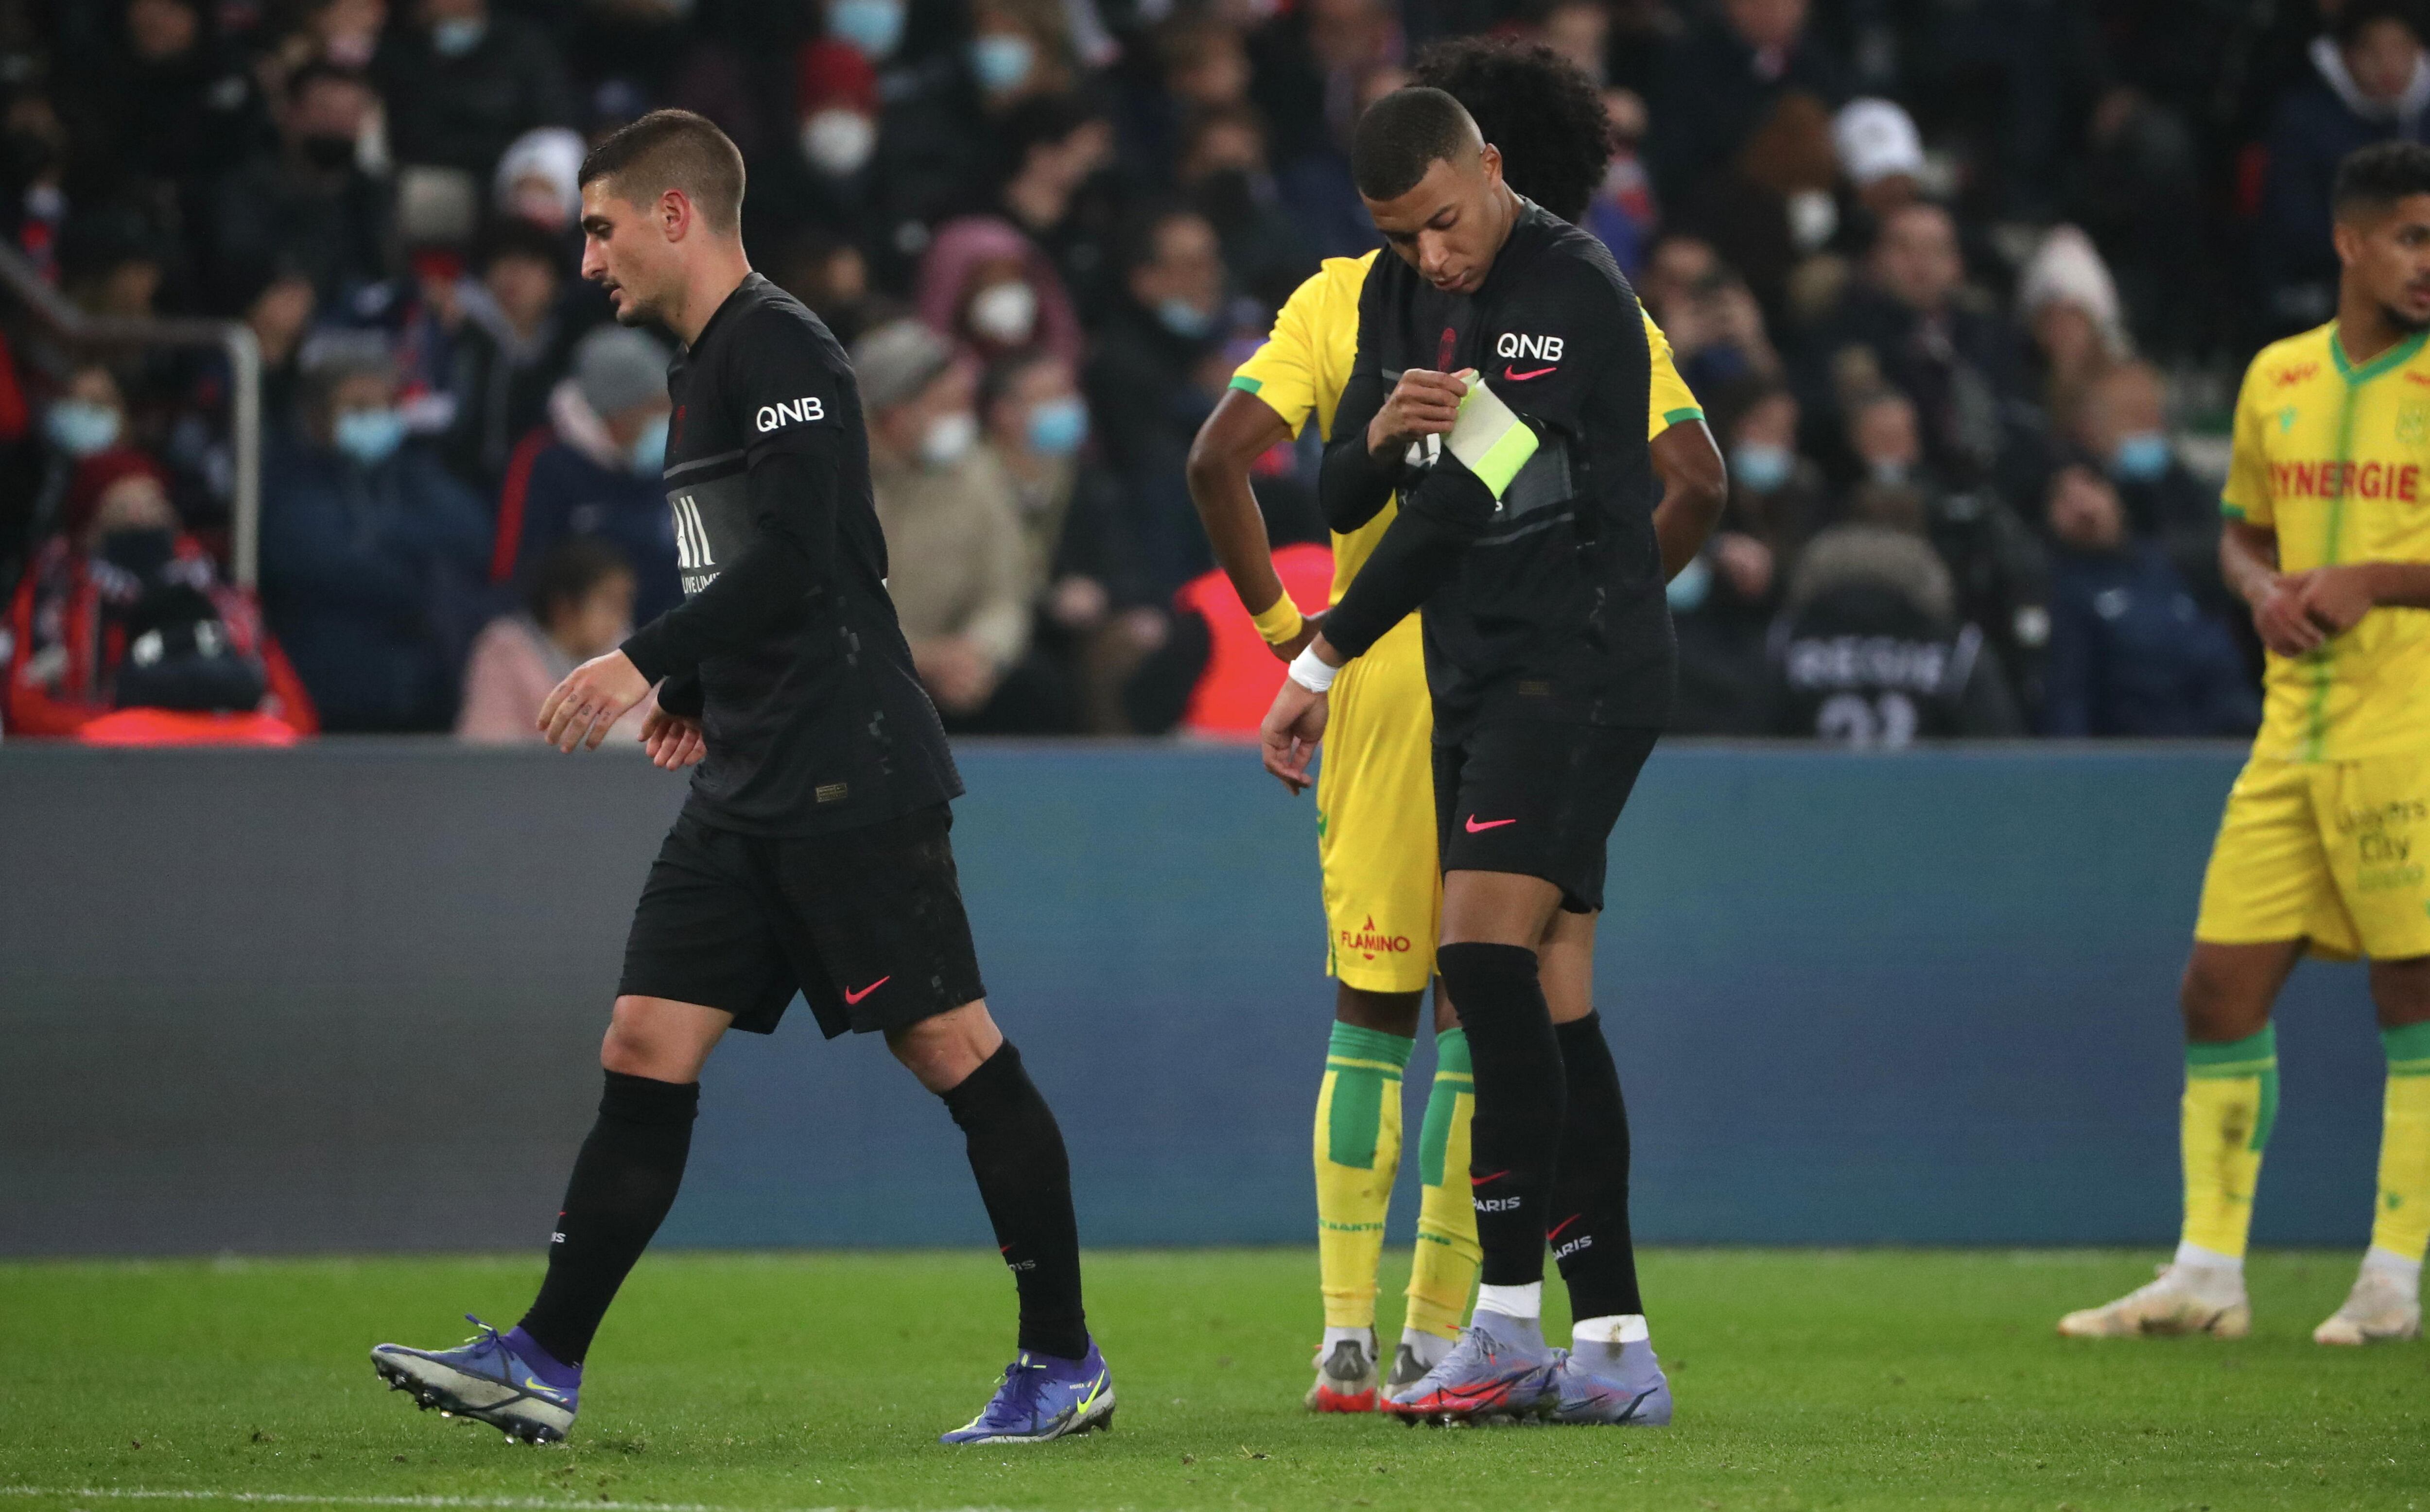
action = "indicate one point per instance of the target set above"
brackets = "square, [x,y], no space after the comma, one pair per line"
[771,585]
[682,694]
[1353,485]
[780,380]
[1419,551]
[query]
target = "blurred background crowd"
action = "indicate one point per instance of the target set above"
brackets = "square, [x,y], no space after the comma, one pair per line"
[1963,287]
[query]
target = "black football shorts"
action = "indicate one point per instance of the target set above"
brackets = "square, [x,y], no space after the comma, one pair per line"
[1539,800]
[866,923]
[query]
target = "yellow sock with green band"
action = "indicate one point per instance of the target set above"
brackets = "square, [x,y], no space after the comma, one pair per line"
[2231,1101]
[1444,1271]
[1357,1154]
[2402,1224]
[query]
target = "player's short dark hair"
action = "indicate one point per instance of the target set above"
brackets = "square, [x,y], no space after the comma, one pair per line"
[568,571]
[2359,16]
[1404,134]
[1541,110]
[2376,178]
[673,149]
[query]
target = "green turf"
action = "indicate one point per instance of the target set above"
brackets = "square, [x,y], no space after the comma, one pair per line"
[1804,1379]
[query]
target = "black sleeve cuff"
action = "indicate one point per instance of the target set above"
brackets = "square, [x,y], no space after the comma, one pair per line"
[646,649]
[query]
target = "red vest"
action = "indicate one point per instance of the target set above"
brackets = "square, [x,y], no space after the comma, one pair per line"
[1238,683]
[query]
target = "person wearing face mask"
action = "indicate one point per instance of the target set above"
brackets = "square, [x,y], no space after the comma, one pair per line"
[988,286]
[465,81]
[959,570]
[1019,48]
[1155,374]
[311,205]
[121,609]
[509,352]
[2122,425]
[595,469]
[577,605]
[372,553]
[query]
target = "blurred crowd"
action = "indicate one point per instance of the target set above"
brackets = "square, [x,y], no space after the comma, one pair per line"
[1962,288]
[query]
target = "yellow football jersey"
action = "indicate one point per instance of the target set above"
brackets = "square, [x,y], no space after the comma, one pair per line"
[2333,457]
[1304,365]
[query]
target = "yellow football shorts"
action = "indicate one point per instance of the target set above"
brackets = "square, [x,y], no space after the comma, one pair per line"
[1375,820]
[2334,851]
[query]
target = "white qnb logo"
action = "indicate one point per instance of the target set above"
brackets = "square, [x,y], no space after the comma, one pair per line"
[807,408]
[692,540]
[1535,348]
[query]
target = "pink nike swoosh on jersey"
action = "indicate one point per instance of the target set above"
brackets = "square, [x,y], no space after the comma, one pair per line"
[850,996]
[1476,825]
[1514,376]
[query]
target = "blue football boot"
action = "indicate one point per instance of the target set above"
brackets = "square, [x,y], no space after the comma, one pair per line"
[1500,1369]
[488,1379]
[1044,1398]
[1619,1385]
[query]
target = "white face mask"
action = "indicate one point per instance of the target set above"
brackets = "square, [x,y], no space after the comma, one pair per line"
[1005,314]
[837,142]
[949,438]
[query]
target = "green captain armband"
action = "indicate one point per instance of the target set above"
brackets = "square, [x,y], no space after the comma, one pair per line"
[1488,437]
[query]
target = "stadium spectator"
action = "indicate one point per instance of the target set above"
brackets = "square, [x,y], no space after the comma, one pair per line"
[595,469]
[36,204]
[831,276]
[1870,651]
[309,204]
[371,555]
[1770,206]
[1911,324]
[1777,497]
[577,605]
[534,179]
[985,285]
[1157,371]
[509,351]
[956,565]
[1723,78]
[2371,82]
[1880,152]
[2122,426]
[1623,212]
[2131,652]
[1715,327]
[463,81]
[112,261]
[2068,305]
[1059,150]
[86,418]
[1315,179]
[121,609]
[172,101]
[1225,172]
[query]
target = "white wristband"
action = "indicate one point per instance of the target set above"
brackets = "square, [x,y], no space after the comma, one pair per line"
[1313,673]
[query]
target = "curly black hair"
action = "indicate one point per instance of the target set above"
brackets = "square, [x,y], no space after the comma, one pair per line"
[1542,110]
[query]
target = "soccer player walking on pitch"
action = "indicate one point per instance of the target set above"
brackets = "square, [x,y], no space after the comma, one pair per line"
[813,850]
[1546,118]
[2328,538]
[1525,531]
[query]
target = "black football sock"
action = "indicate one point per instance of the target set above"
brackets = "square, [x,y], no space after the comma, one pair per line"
[1025,1179]
[624,1182]
[1515,1133]
[1590,1213]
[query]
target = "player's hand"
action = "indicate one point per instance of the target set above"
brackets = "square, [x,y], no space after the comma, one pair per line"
[1422,404]
[593,696]
[1299,642]
[1288,737]
[2280,619]
[672,740]
[2336,598]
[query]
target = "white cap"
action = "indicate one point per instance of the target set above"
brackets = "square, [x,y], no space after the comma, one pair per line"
[1875,140]
[2066,269]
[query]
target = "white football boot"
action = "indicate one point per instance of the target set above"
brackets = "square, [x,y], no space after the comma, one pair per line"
[2186,1299]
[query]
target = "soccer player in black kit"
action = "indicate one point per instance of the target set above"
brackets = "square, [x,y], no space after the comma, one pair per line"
[813,853]
[1500,390]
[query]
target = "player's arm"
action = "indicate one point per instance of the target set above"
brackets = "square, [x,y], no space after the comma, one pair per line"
[1695,485]
[2337,598]
[2248,560]
[1244,428]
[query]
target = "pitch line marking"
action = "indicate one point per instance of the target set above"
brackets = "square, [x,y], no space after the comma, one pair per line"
[511,1503]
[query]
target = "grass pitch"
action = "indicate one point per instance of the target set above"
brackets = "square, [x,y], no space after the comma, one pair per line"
[1804,1379]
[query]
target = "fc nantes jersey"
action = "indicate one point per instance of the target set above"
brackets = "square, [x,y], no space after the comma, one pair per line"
[1305,363]
[2333,457]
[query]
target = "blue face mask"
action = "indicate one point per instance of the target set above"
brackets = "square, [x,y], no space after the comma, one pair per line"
[1058,426]
[370,437]
[2141,458]
[1691,588]
[874,27]
[1002,61]
[456,36]
[1761,466]
[1182,318]
[647,454]
[80,427]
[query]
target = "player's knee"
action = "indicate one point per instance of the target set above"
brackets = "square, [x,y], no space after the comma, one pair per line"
[943,1050]
[637,1044]
[2400,991]
[2216,1005]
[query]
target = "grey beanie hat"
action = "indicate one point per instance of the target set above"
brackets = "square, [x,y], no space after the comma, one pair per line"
[897,360]
[616,368]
